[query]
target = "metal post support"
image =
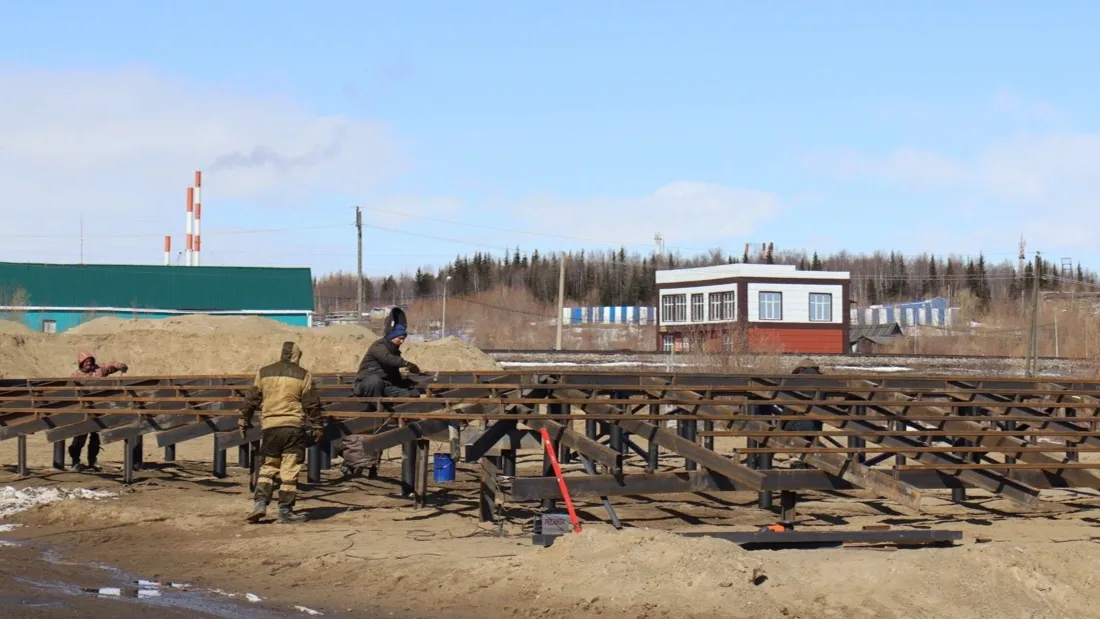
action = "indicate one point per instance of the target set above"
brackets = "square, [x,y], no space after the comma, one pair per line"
[128,461]
[708,441]
[137,448]
[691,430]
[788,500]
[1071,456]
[420,495]
[590,468]
[547,467]
[856,442]
[958,495]
[654,460]
[59,455]
[751,460]
[21,466]
[219,463]
[763,463]
[408,468]
[313,464]
[170,453]
[617,443]
[507,462]
[325,448]
[1010,426]
[242,456]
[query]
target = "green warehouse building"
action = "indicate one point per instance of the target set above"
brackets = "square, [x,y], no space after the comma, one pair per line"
[53,298]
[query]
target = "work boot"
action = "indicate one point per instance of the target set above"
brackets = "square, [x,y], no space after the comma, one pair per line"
[259,510]
[287,516]
[372,472]
[348,471]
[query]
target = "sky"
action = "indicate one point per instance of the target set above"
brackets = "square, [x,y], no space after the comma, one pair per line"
[460,127]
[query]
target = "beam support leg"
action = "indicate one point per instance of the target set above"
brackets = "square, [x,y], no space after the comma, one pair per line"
[128,461]
[137,447]
[21,466]
[59,455]
[691,431]
[408,468]
[170,453]
[219,463]
[788,501]
[243,460]
[313,464]
[421,490]
[654,460]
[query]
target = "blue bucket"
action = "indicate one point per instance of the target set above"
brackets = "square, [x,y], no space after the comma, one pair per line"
[444,468]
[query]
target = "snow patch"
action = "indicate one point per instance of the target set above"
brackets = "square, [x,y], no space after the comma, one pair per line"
[14,500]
[881,368]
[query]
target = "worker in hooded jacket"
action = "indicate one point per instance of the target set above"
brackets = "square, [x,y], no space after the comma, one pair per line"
[88,368]
[284,394]
[379,376]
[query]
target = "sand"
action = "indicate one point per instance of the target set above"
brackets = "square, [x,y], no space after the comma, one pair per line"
[197,345]
[367,549]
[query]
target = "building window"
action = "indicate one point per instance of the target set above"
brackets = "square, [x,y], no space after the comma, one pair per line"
[669,342]
[674,308]
[49,326]
[821,307]
[697,308]
[771,306]
[723,306]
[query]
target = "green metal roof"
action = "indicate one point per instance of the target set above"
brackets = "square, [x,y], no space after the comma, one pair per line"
[157,287]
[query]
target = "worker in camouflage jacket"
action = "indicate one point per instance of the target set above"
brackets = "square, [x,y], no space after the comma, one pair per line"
[379,376]
[88,368]
[287,400]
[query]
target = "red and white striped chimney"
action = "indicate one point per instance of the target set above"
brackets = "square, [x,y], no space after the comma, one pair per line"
[167,249]
[190,213]
[198,217]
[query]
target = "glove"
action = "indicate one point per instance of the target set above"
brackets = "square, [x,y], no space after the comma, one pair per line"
[124,368]
[243,426]
[413,368]
[318,435]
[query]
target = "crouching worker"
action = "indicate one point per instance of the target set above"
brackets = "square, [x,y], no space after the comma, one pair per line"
[284,394]
[379,376]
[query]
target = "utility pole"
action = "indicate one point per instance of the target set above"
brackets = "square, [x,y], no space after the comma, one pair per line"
[561,297]
[1033,349]
[82,238]
[359,298]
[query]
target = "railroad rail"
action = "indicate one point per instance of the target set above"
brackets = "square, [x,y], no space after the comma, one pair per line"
[896,436]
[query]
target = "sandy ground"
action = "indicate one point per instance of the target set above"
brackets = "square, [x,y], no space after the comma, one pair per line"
[365,551]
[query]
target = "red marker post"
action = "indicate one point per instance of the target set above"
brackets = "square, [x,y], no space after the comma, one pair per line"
[549,445]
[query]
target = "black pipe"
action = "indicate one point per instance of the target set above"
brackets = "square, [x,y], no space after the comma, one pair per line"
[708,441]
[138,455]
[219,463]
[242,456]
[313,464]
[408,468]
[170,453]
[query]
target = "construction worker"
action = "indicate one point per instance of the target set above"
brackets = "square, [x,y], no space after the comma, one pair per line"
[284,394]
[88,368]
[379,376]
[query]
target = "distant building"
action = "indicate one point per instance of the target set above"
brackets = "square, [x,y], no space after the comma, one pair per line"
[932,312]
[58,297]
[766,307]
[866,339]
[607,315]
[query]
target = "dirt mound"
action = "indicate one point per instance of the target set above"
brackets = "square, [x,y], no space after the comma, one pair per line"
[449,354]
[200,345]
[196,323]
[10,327]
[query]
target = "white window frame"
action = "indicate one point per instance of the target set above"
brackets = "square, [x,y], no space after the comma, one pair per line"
[668,343]
[821,307]
[702,306]
[49,325]
[723,306]
[761,304]
[674,308]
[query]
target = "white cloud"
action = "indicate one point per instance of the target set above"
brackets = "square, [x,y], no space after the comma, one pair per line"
[681,211]
[1022,108]
[121,148]
[1045,185]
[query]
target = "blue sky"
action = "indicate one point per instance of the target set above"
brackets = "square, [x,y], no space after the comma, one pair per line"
[941,126]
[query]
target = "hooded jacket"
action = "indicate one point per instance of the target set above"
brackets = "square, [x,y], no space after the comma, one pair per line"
[284,394]
[97,371]
[383,359]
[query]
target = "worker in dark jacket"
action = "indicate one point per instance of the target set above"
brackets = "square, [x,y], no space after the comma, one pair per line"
[87,367]
[284,394]
[379,376]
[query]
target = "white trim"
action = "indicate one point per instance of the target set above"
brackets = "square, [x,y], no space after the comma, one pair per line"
[141,310]
[745,271]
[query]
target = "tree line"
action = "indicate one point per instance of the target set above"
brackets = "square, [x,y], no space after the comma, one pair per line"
[622,278]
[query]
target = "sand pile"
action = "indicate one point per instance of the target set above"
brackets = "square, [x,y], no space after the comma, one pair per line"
[10,327]
[198,345]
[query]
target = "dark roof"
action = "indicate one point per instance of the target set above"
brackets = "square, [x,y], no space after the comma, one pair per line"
[157,287]
[875,333]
